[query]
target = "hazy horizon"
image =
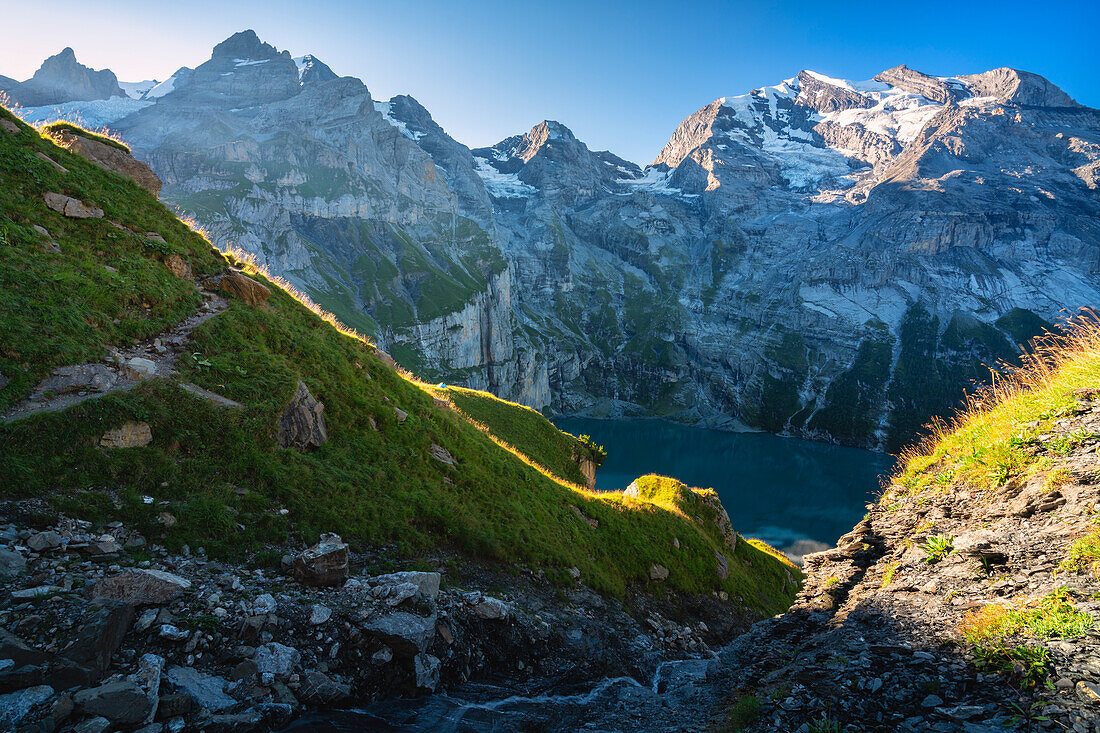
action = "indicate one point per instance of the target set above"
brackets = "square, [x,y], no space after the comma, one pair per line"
[622,77]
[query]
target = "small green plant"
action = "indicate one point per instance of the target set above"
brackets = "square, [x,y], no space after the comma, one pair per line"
[741,713]
[1084,554]
[1057,478]
[200,361]
[825,724]
[937,547]
[831,581]
[596,451]
[1027,664]
[888,575]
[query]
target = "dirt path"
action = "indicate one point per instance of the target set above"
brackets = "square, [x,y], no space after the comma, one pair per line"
[122,369]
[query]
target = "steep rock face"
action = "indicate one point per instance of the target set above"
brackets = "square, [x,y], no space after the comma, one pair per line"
[300,169]
[824,257]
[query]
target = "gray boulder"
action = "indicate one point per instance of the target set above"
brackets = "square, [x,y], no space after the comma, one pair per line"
[403,631]
[17,708]
[205,690]
[121,702]
[324,564]
[142,587]
[277,659]
[427,669]
[11,563]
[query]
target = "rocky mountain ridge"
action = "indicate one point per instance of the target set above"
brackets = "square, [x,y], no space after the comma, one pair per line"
[783,264]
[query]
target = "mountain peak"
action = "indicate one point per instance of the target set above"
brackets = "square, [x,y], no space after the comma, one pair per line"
[61,78]
[312,69]
[244,45]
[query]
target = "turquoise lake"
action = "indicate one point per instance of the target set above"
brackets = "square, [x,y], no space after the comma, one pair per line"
[782,490]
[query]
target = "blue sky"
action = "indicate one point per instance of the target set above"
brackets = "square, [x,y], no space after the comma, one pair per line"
[622,75]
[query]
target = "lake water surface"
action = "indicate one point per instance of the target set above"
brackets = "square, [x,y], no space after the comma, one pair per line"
[781,490]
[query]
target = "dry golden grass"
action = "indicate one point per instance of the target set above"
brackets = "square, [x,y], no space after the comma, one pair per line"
[991,439]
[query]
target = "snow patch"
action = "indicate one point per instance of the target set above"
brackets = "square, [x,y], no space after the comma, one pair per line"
[161,89]
[249,62]
[385,109]
[501,185]
[137,89]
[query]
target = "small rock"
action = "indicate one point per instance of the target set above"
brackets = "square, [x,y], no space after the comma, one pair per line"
[324,564]
[302,424]
[658,572]
[932,701]
[264,604]
[71,207]
[139,368]
[278,659]
[129,435]
[205,690]
[491,609]
[44,541]
[319,614]
[427,583]
[1088,692]
[145,620]
[172,633]
[318,689]
[92,725]
[178,266]
[11,563]
[15,706]
[427,670]
[38,592]
[401,414]
[441,454]
[241,286]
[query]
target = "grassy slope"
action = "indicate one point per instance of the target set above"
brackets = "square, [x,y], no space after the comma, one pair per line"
[525,430]
[64,308]
[991,441]
[219,472]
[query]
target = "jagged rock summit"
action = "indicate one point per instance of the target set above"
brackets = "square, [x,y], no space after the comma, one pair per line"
[61,78]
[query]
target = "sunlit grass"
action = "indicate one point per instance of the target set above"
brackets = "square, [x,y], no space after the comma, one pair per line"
[52,130]
[993,439]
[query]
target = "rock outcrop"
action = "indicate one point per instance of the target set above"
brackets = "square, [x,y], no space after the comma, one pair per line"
[110,157]
[302,424]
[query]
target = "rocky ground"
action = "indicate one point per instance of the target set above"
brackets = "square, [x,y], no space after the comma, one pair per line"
[102,630]
[875,640]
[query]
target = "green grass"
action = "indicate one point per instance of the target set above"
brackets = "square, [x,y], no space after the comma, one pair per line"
[995,439]
[220,473]
[62,126]
[741,713]
[65,308]
[526,431]
[1084,553]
